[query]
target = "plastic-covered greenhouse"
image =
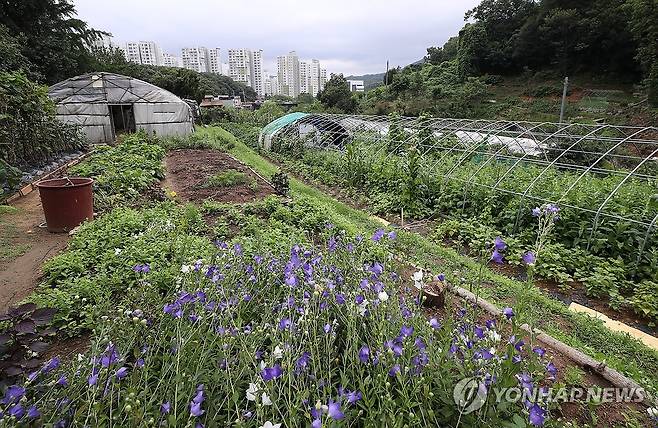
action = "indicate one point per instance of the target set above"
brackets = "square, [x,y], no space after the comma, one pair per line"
[604,177]
[106,104]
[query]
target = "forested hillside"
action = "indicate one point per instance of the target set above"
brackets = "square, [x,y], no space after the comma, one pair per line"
[527,47]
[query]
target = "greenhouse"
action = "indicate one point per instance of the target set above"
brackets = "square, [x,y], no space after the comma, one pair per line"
[602,176]
[106,104]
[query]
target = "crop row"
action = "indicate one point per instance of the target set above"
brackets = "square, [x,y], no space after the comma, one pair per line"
[612,252]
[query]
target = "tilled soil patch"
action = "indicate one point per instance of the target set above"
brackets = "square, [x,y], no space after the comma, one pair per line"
[190,173]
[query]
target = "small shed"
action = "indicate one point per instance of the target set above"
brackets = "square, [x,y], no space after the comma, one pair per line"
[106,104]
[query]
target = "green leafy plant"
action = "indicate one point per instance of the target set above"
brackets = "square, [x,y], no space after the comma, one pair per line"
[227,178]
[281,183]
[123,172]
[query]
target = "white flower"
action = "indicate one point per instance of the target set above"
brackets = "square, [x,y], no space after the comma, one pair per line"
[266,400]
[362,307]
[278,352]
[185,269]
[653,412]
[251,392]
[117,251]
[382,296]
[418,279]
[494,336]
[269,424]
[262,364]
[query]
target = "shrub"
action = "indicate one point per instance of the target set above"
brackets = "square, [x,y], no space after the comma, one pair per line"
[29,132]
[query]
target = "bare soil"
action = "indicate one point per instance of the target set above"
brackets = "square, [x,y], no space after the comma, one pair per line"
[188,172]
[21,274]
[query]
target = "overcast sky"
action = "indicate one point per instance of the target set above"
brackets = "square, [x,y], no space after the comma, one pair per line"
[350,37]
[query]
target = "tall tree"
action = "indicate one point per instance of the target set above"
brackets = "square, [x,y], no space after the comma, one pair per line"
[54,40]
[337,94]
[644,26]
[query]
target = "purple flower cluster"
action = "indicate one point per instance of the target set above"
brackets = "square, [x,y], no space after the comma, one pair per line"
[197,401]
[499,248]
[143,268]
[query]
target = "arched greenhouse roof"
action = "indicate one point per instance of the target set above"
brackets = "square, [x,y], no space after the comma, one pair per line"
[106,104]
[108,88]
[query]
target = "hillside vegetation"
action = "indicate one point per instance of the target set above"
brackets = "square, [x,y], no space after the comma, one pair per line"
[510,58]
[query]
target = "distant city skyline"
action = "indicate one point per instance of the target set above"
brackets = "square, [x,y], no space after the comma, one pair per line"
[292,78]
[352,38]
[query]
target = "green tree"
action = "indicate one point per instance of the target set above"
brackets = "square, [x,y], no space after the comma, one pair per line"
[270,110]
[470,55]
[337,94]
[644,27]
[448,52]
[29,131]
[52,38]
[11,56]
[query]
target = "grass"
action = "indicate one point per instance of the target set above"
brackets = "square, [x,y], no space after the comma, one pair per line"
[227,178]
[619,351]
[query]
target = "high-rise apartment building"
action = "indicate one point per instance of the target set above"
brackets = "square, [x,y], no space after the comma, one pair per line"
[150,53]
[299,77]
[271,85]
[246,66]
[215,59]
[197,59]
[103,42]
[323,78]
[257,72]
[169,60]
[304,77]
[287,67]
[314,77]
[143,52]
[132,52]
[239,65]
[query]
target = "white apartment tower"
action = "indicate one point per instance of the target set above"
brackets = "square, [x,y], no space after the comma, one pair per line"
[257,72]
[287,67]
[239,65]
[150,53]
[197,59]
[132,52]
[323,78]
[314,77]
[169,60]
[246,66]
[271,85]
[304,77]
[215,59]
[103,42]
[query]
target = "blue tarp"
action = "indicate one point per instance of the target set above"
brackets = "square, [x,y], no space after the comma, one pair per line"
[273,127]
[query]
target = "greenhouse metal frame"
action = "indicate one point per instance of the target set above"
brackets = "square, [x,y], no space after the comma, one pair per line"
[627,151]
[103,104]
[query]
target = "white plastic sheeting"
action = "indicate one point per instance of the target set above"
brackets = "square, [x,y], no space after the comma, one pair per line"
[84,100]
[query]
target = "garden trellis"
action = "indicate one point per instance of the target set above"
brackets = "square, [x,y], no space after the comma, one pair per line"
[490,153]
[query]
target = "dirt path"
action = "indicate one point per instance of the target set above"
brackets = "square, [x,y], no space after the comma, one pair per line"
[20,272]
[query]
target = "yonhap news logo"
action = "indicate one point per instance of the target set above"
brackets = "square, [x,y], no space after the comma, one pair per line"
[471,394]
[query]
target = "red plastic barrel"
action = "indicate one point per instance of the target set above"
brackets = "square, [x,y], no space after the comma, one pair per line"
[66,202]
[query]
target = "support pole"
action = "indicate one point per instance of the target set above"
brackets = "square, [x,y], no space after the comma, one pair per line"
[564,99]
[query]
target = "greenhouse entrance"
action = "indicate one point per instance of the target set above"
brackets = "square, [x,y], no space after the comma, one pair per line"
[123,118]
